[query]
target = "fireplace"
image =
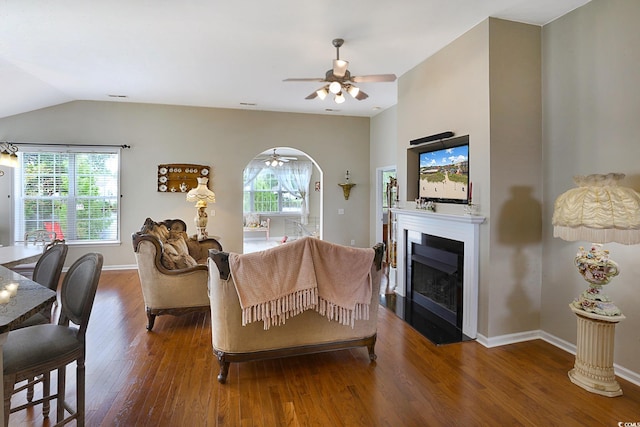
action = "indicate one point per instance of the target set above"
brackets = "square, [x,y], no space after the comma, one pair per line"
[412,224]
[435,278]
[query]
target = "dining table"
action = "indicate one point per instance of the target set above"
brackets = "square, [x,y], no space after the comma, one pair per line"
[10,256]
[29,299]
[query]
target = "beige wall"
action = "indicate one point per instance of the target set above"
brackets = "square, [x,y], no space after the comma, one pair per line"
[486,84]
[591,121]
[224,139]
[515,174]
[384,134]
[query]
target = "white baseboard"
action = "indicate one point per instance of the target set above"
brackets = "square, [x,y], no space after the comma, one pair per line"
[120,267]
[622,372]
[507,339]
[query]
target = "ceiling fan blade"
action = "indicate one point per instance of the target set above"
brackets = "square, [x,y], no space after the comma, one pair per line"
[374,78]
[340,67]
[312,95]
[361,95]
[310,79]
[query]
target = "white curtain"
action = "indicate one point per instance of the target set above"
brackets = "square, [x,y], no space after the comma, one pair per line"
[294,177]
[251,171]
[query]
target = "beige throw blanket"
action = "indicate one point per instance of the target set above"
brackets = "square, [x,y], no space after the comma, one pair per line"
[281,282]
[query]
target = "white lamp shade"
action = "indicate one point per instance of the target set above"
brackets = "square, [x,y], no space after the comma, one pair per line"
[335,87]
[8,156]
[598,211]
[5,159]
[340,67]
[322,93]
[201,192]
[353,91]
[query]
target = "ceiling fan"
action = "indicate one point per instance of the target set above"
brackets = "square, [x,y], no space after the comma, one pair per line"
[276,159]
[339,80]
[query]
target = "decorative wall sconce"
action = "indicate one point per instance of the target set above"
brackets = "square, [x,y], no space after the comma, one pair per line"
[346,186]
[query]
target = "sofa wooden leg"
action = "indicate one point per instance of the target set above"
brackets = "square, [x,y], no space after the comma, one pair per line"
[371,347]
[224,367]
[151,320]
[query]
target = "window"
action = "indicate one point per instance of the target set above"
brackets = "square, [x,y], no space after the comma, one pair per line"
[265,194]
[73,191]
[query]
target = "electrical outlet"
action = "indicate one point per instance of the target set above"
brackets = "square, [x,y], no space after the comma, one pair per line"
[212,212]
[353,242]
[340,211]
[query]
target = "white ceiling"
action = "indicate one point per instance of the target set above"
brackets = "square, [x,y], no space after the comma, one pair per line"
[211,53]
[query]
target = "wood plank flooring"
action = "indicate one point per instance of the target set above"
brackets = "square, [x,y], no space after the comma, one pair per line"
[168,378]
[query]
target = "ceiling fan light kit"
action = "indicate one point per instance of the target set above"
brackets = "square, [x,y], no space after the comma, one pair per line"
[339,80]
[276,160]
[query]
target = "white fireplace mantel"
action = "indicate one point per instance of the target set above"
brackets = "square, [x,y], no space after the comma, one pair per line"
[463,228]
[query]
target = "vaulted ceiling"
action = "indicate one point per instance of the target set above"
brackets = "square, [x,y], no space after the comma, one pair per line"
[232,54]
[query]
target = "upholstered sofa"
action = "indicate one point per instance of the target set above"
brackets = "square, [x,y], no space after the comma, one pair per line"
[172,268]
[307,332]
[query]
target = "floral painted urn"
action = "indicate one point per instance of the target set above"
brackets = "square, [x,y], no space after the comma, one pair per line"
[596,268]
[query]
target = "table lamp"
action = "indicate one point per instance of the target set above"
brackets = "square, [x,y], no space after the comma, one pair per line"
[201,195]
[598,211]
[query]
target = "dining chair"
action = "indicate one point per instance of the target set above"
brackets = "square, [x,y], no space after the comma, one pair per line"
[49,266]
[39,237]
[47,273]
[36,351]
[42,238]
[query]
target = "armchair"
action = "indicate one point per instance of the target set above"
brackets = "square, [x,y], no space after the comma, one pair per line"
[172,268]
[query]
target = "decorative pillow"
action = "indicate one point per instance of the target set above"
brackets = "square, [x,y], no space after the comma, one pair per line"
[252,220]
[176,252]
[157,230]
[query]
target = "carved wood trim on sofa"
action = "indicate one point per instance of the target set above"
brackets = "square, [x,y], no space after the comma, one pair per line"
[225,359]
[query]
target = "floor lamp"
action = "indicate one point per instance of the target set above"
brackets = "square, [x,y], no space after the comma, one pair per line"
[600,211]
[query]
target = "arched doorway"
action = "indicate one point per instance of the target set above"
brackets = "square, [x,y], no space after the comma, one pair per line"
[282,198]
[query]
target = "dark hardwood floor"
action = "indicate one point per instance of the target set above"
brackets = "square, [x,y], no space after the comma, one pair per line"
[168,378]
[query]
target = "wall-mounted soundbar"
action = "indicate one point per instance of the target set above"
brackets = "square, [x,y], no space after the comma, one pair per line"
[436,137]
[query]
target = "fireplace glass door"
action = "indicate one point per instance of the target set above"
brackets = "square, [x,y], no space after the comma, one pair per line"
[435,277]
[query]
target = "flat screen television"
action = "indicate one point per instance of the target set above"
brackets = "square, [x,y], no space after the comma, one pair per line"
[444,172]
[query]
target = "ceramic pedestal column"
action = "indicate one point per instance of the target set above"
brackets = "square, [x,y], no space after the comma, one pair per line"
[593,369]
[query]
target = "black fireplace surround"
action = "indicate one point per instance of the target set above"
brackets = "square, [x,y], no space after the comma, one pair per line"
[434,278]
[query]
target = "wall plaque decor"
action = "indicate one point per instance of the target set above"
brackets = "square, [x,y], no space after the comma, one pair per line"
[180,177]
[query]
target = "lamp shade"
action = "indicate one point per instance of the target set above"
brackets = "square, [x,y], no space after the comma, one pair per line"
[201,192]
[8,155]
[599,211]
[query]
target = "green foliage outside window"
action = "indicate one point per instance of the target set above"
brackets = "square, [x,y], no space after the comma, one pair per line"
[264,194]
[76,192]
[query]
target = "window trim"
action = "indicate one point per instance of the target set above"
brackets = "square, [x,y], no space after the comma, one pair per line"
[75,149]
